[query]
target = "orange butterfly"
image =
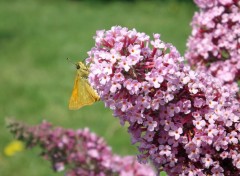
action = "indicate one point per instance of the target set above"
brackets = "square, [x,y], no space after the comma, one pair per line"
[82,94]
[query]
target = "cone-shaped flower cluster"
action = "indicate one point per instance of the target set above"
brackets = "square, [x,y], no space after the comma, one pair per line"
[80,153]
[214,44]
[185,122]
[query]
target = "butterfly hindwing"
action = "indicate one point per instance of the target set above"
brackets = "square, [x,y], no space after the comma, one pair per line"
[92,92]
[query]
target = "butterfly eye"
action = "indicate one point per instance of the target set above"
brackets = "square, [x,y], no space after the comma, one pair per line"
[77,66]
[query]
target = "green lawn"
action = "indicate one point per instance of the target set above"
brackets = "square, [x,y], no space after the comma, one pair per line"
[36,37]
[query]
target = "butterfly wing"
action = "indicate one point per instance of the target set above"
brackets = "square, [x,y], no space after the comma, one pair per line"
[74,102]
[82,94]
[92,92]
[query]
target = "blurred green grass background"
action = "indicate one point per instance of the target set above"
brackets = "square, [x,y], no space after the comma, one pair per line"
[36,37]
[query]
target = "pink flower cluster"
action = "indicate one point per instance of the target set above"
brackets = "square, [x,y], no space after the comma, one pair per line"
[214,44]
[80,153]
[185,122]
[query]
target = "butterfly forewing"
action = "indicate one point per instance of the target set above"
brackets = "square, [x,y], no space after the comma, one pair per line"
[74,102]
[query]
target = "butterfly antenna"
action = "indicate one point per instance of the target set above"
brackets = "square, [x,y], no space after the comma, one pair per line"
[69,60]
[76,64]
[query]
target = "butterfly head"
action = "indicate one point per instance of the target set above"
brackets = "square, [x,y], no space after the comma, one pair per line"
[81,66]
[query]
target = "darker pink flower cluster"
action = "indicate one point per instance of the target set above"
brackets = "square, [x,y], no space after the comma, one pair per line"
[80,153]
[214,44]
[185,122]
